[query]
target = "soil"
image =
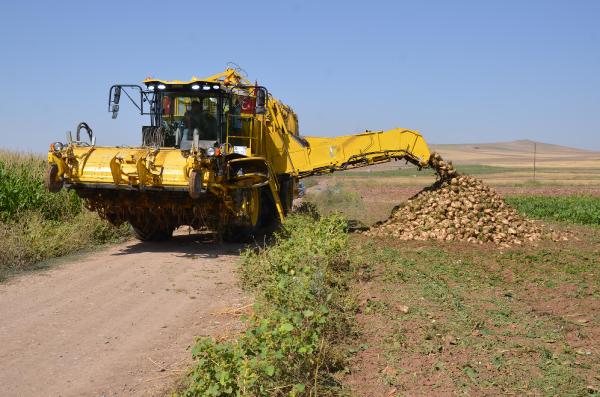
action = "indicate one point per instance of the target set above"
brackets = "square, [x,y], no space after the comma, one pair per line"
[518,323]
[120,321]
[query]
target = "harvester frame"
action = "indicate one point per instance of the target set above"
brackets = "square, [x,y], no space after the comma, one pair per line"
[221,153]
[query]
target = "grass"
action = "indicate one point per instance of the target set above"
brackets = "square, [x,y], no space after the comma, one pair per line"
[36,225]
[583,210]
[302,314]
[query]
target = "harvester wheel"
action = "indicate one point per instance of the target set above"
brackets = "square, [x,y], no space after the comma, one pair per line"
[269,218]
[52,181]
[251,206]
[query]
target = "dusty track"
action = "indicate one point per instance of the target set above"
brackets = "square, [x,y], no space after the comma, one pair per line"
[116,322]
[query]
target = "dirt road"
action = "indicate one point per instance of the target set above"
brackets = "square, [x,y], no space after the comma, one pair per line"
[116,322]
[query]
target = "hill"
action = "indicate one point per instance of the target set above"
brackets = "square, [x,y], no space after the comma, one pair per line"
[519,154]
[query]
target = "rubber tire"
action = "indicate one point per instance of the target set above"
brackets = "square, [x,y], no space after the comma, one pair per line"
[53,185]
[153,234]
[268,221]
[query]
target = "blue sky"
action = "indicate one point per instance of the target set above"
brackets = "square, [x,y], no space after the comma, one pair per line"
[458,71]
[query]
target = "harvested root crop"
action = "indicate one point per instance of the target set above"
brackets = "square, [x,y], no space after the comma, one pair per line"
[457,208]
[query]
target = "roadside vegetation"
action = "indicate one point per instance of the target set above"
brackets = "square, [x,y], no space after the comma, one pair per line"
[36,225]
[345,314]
[302,315]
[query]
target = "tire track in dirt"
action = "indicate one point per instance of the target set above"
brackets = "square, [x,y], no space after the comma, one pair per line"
[119,321]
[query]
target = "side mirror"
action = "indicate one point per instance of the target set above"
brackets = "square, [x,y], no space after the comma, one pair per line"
[261,100]
[115,101]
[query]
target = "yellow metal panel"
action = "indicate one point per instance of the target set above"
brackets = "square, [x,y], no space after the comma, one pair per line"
[114,165]
[342,151]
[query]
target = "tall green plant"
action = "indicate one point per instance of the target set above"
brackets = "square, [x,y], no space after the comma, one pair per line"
[36,225]
[22,189]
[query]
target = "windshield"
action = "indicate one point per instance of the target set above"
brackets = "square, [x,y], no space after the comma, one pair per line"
[184,114]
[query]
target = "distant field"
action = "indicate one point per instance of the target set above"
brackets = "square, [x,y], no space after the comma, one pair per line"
[499,164]
[520,154]
[472,169]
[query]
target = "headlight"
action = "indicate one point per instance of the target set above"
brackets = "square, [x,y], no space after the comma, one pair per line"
[210,151]
[56,147]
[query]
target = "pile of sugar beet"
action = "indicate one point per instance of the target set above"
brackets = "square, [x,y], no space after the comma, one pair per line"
[459,208]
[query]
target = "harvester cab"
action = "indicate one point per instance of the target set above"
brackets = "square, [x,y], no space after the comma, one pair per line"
[219,153]
[205,113]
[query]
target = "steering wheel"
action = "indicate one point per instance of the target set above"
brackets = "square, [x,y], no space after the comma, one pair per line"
[90,133]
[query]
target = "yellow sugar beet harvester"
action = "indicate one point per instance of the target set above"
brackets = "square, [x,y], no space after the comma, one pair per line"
[221,153]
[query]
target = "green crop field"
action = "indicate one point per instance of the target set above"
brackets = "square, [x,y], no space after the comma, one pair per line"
[36,225]
[583,210]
